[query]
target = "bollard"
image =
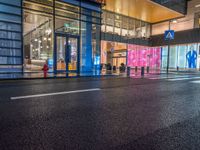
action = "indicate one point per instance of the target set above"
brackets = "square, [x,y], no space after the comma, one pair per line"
[142,71]
[177,68]
[136,69]
[128,71]
[147,69]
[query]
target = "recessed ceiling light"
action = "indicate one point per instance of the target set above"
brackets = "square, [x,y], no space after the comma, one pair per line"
[174,21]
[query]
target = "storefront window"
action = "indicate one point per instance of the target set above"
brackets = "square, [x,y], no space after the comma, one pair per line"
[77,36]
[173,57]
[121,28]
[164,57]
[125,25]
[90,48]
[38,37]
[192,56]
[131,25]
[66,25]
[113,57]
[182,57]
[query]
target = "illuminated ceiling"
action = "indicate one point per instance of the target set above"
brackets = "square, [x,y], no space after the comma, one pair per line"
[145,10]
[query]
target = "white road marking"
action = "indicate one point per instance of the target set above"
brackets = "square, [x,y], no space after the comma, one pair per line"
[179,79]
[52,94]
[157,78]
[198,81]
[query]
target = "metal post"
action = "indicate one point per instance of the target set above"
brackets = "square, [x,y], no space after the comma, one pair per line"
[128,71]
[111,63]
[168,53]
[142,71]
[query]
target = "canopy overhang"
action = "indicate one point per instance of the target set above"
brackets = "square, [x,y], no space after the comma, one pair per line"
[145,10]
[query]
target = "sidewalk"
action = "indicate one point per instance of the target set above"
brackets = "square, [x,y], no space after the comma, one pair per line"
[40,75]
[16,76]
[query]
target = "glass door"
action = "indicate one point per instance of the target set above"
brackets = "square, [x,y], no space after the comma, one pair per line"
[72,56]
[67,55]
[61,53]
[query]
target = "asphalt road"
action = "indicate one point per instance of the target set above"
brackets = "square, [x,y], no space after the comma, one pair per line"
[100,114]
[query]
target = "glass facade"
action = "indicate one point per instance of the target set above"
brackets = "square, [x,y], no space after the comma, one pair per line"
[142,56]
[117,55]
[10,36]
[113,57]
[38,34]
[183,57]
[124,27]
[63,33]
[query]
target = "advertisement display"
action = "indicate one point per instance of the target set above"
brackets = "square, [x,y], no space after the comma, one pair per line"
[141,56]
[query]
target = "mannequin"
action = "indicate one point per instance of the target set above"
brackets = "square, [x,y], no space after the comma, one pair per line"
[191,57]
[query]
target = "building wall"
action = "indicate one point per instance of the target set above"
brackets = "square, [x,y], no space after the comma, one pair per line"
[184,23]
[10,36]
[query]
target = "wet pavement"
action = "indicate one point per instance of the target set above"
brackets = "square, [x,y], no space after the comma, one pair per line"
[152,113]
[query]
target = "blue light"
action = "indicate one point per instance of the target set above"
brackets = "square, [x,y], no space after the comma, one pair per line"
[50,63]
[97,60]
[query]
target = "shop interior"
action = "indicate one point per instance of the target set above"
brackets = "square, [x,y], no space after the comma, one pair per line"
[113,57]
[38,38]
[38,43]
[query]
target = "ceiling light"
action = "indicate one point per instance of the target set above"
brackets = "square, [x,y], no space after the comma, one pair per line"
[36,40]
[174,21]
[48,31]
[198,5]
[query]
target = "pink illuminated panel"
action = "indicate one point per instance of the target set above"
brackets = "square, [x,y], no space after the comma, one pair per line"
[144,56]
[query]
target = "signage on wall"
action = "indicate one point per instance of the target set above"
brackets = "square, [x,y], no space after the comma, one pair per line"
[169,35]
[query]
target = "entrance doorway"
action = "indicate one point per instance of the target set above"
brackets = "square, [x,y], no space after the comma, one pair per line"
[113,57]
[67,55]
